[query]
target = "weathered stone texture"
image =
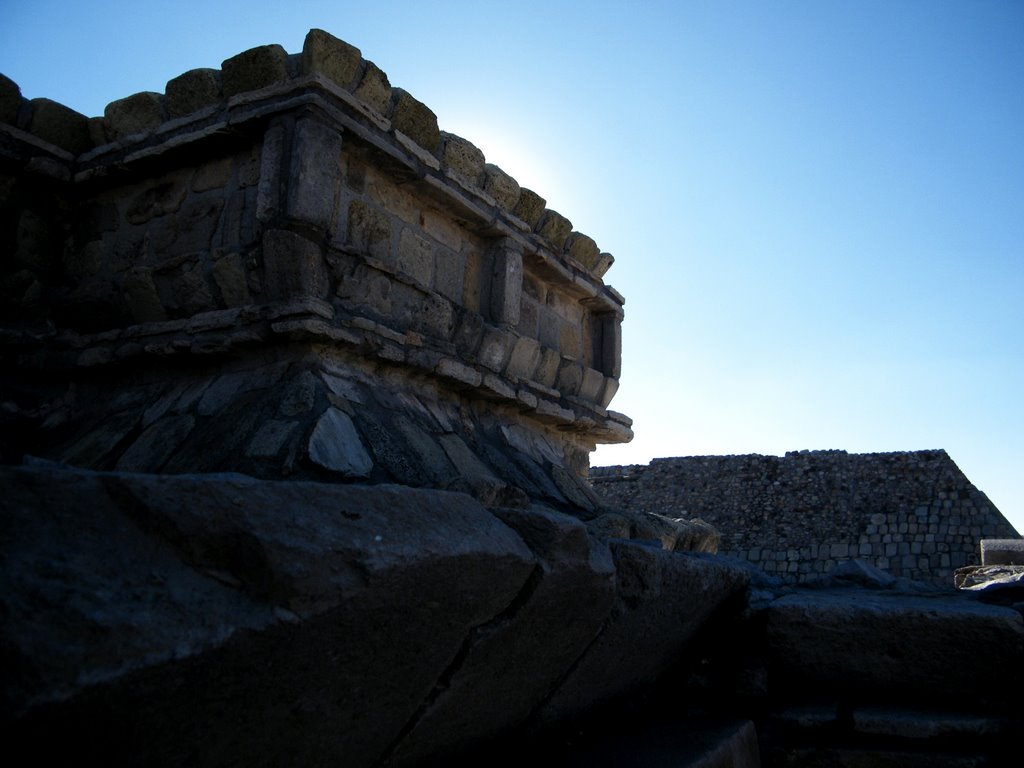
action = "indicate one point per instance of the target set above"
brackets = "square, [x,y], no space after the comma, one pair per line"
[414,119]
[139,113]
[57,124]
[796,517]
[253,69]
[192,91]
[322,53]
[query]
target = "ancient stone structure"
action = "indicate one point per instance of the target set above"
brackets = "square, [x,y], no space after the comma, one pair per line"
[910,514]
[285,268]
[296,400]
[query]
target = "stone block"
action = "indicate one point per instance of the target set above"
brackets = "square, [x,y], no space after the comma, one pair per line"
[554,228]
[192,91]
[570,378]
[268,440]
[415,119]
[515,664]
[374,90]
[293,266]
[583,249]
[502,187]
[469,332]
[592,385]
[547,369]
[662,600]
[59,125]
[506,282]
[1002,551]
[315,173]
[462,158]
[416,257]
[449,274]
[435,317]
[138,113]
[570,340]
[324,54]
[141,296]
[253,69]
[369,231]
[230,276]
[529,207]
[335,445]
[458,372]
[10,100]
[524,359]
[611,344]
[495,349]
[603,264]
[191,230]
[611,387]
[158,199]
[156,444]
[213,175]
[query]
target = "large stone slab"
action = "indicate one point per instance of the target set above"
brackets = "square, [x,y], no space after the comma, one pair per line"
[221,620]
[902,647]
[512,663]
[662,599]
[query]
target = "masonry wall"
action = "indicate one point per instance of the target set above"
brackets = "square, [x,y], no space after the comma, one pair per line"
[910,514]
[284,267]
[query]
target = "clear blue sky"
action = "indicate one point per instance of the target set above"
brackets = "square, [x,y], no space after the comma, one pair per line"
[816,208]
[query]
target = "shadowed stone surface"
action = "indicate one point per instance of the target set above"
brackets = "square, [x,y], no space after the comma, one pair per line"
[134,606]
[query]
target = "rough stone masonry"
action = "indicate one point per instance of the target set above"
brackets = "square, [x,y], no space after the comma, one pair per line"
[912,514]
[283,267]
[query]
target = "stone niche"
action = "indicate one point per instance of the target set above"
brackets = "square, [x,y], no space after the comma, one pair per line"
[284,268]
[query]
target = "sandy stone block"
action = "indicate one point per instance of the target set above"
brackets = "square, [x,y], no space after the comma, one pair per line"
[442,230]
[506,282]
[415,119]
[583,249]
[315,173]
[374,90]
[603,264]
[547,369]
[435,317]
[415,257]
[569,340]
[570,377]
[592,384]
[502,187]
[191,230]
[159,199]
[495,349]
[190,291]
[138,113]
[229,275]
[142,298]
[192,91]
[554,228]
[213,175]
[255,68]
[449,271]
[293,266]
[323,53]
[469,332]
[456,371]
[10,100]
[530,207]
[60,125]
[462,157]
[335,445]
[369,230]
[524,359]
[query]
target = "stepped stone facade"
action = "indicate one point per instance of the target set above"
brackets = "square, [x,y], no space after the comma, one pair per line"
[284,268]
[911,514]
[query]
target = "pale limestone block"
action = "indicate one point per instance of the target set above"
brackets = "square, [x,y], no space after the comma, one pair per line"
[335,445]
[325,54]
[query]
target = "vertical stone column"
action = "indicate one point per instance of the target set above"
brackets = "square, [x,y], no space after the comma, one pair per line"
[506,282]
[300,175]
[611,344]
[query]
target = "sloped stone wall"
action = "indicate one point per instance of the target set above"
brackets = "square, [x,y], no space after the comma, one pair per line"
[910,514]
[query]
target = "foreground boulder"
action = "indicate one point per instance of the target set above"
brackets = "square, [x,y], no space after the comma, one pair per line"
[224,620]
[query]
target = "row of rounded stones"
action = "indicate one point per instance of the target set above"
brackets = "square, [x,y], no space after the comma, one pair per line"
[267,65]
